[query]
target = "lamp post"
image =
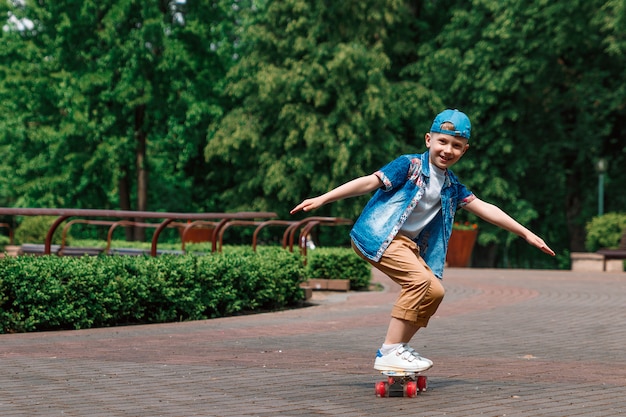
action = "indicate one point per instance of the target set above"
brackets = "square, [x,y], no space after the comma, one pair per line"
[601,167]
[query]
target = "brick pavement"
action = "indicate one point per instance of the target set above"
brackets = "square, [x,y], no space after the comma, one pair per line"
[504,343]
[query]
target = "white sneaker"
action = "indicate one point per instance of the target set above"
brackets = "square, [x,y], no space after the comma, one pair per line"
[404,358]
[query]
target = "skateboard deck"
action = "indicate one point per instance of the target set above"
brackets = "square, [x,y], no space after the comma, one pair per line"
[401,384]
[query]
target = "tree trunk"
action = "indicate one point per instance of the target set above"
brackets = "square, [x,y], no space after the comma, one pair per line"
[124,194]
[142,170]
[573,206]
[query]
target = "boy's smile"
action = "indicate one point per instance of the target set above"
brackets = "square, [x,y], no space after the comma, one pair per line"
[445,150]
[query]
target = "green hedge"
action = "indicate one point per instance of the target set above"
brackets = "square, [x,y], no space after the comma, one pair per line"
[35,228]
[339,263]
[605,231]
[52,293]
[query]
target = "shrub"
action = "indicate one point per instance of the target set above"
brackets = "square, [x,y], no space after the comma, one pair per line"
[605,231]
[50,292]
[339,263]
[33,229]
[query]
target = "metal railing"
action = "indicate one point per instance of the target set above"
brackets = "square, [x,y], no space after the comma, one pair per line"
[166,218]
[218,224]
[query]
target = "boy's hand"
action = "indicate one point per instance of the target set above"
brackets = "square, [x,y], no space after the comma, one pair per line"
[308,205]
[539,243]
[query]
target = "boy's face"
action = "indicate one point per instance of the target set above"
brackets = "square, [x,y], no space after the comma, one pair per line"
[445,150]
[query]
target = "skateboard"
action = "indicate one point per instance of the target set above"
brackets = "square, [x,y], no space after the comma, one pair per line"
[401,384]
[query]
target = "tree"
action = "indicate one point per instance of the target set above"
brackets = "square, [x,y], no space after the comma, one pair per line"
[536,82]
[611,20]
[118,103]
[105,92]
[312,106]
[201,50]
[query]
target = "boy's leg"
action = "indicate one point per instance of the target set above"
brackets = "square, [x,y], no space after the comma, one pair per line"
[400,331]
[419,299]
[421,291]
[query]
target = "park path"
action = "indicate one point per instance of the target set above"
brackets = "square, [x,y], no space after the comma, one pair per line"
[504,342]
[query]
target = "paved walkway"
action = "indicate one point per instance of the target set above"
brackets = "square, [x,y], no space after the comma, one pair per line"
[505,343]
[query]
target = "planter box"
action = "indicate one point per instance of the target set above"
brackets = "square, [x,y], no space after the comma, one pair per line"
[595,262]
[199,235]
[308,291]
[322,284]
[13,250]
[587,262]
[460,247]
[614,265]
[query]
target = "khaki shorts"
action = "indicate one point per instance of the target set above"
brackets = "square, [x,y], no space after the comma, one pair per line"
[421,291]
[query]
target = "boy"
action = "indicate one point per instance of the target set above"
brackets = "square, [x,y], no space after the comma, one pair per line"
[404,230]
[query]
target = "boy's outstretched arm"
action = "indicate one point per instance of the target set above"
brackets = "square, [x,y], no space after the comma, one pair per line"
[356,187]
[495,215]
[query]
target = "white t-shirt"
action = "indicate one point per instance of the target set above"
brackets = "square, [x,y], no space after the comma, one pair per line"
[428,206]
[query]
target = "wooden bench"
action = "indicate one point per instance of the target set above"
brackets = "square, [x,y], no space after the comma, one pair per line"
[619,253]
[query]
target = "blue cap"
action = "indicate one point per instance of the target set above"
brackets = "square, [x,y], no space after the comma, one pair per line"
[462,125]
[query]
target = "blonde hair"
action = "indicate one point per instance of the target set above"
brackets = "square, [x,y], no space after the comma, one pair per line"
[448,126]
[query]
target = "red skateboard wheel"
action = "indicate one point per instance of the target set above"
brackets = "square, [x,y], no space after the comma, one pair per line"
[422,383]
[410,389]
[382,389]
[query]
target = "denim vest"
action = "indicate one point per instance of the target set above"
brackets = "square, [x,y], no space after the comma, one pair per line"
[404,182]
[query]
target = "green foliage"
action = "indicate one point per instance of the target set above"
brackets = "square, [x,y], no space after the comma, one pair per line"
[34,229]
[49,292]
[312,106]
[123,244]
[96,95]
[217,106]
[605,231]
[339,263]
[526,74]
[4,240]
